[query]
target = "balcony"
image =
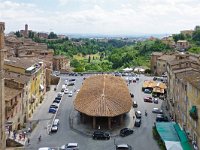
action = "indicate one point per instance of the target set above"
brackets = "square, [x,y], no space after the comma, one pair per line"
[193,113]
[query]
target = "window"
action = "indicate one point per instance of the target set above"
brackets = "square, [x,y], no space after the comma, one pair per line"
[163,65]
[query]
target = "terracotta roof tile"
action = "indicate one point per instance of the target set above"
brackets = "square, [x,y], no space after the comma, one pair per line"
[103,95]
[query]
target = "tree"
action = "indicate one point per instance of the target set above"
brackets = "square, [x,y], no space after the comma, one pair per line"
[177,37]
[52,35]
[196,35]
[18,34]
[89,58]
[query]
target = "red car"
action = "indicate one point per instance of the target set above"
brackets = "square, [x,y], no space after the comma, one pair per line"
[148,99]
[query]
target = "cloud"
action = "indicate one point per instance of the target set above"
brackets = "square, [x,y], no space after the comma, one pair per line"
[104,16]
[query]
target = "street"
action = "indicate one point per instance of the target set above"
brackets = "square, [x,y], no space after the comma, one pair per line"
[141,139]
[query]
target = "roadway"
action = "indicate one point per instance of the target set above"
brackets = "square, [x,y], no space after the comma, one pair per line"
[142,138]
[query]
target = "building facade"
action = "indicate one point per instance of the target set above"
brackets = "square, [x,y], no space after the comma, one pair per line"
[60,63]
[2,100]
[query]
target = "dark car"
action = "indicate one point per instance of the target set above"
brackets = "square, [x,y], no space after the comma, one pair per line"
[72,80]
[147,91]
[135,105]
[125,132]
[100,135]
[132,95]
[53,106]
[137,123]
[138,114]
[56,101]
[161,118]
[70,84]
[58,98]
[155,100]
[52,110]
[123,147]
[148,99]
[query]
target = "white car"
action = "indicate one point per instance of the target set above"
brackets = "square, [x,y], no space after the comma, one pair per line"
[56,122]
[54,128]
[66,82]
[66,91]
[45,148]
[60,94]
[70,146]
[70,94]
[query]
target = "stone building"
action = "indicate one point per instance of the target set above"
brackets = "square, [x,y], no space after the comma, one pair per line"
[154,58]
[60,63]
[2,100]
[34,69]
[182,45]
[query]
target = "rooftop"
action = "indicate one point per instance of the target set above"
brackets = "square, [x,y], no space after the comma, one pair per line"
[20,62]
[194,79]
[17,77]
[167,57]
[103,96]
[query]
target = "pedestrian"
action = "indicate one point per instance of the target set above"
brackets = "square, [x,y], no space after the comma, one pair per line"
[28,141]
[20,136]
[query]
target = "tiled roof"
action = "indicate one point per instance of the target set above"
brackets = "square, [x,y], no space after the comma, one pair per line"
[103,95]
[17,77]
[11,93]
[20,62]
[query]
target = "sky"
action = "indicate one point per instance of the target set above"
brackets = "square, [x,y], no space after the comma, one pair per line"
[115,17]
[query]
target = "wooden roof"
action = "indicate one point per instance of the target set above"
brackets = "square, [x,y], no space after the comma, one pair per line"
[103,96]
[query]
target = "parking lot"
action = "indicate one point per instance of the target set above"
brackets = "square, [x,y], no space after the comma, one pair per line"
[141,139]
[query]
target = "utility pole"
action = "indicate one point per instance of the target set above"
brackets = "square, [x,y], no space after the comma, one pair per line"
[2,100]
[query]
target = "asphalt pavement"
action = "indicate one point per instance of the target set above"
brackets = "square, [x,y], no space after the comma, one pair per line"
[141,139]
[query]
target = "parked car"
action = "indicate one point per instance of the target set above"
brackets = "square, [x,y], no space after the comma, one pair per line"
[56,122]
[123,147]
[132,95]
[70,146]
[56,101]
[135,105]
[125,132]
[70,94]
[138,122]
[155,100]
[70,84]
[45,148]
[54,105]
[161,118]
[147,91]
[100,135]
[66,81]
[66,91]
[54,128]
[138,114]
[148,99]
[59,94]
[72,80]
[157,111]
[58,98]
[52,110]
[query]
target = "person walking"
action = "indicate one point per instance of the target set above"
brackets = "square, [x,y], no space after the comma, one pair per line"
[28,141]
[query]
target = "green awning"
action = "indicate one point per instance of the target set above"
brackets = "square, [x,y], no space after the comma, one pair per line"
[193,109]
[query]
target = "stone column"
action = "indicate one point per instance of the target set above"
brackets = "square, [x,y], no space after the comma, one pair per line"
[93,122]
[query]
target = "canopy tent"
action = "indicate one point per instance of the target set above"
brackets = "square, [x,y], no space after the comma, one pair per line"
[173,136]
[127,69]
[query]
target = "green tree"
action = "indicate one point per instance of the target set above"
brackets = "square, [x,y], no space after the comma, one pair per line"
[89,59]
[196,35]
[18,34]
[52,35]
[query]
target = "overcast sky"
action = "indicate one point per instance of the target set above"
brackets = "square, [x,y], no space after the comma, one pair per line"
[101,16]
